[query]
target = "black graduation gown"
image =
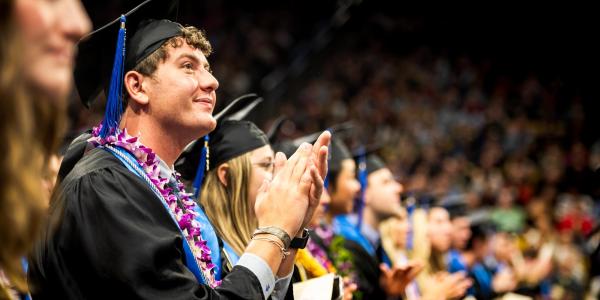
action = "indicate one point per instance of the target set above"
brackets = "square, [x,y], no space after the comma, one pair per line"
[365,266]
[109,237]
[367,269]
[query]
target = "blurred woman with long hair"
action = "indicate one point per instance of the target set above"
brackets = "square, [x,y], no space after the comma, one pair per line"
[37,44]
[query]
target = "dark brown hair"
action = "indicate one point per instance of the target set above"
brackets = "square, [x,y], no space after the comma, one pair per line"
[192,36]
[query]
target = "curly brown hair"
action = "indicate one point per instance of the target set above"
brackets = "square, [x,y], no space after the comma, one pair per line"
[190,34]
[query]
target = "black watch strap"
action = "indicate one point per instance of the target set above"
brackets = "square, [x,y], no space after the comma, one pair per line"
[300,242]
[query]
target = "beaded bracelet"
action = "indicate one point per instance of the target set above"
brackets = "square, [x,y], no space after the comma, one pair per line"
[275,241]
[277,232]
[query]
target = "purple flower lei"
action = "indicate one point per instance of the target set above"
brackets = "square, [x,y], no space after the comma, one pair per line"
[319,254]
[341,257]
[185,215]
[325,232]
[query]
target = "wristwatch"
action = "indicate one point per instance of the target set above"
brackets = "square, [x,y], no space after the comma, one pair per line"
[300,242]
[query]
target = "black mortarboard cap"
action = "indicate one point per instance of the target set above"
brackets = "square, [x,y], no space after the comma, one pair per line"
[455,205]
[338,151]
[106,54]
[232,137]
[274,131]
[287,146]
[372,161]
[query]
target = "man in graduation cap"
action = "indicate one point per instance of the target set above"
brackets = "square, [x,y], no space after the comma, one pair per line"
[461,232]
[380,199]
[353,254]
[121,224]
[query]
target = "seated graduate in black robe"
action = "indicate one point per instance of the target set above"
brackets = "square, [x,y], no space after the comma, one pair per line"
[315,261]
[377,278]
[348,257]
[121,224]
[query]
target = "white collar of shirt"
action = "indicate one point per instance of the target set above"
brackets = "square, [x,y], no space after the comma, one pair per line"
[370,233]
[164,170]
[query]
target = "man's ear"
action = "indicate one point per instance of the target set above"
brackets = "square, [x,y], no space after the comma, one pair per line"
[222,171]
[134,83]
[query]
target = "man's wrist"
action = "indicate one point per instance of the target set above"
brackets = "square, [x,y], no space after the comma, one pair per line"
[275,231]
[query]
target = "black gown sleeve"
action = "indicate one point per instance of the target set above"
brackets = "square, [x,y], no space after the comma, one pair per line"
[109,237]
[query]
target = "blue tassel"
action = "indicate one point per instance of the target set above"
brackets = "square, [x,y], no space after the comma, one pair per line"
[410,209]
[202,167]
[362,178]
[114,101]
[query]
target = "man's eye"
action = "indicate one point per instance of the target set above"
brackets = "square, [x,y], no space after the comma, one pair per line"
[188,66]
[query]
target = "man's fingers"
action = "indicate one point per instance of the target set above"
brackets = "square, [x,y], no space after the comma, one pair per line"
[466,283]
[301,165]
[417,268]
[264,186]
[457,276]
[323,140]
[319,152]
[287,170]
[317,187]
[280,161]
[401,273]
[262,190]
[322,160]
[305,183]
[385,269]
[414,271]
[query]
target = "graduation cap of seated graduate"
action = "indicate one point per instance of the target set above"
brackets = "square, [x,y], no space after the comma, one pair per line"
[286,146]
[106,54]
[338,151]
[367,159]
[232,137]
[455,205]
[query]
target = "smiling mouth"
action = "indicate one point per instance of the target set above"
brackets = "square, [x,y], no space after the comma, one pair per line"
[205,101]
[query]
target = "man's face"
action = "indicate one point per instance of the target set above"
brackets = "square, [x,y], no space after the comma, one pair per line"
[182,92]
[461,232]
[481,248]
[503,246]
[383,193]
[439,229]
[347,187]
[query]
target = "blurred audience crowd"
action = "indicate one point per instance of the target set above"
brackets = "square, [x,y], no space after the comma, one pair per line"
[509,157]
